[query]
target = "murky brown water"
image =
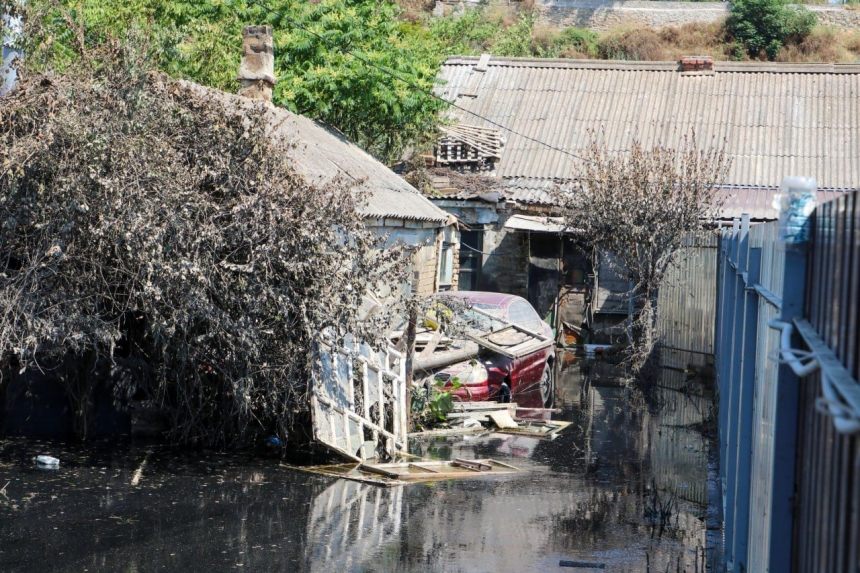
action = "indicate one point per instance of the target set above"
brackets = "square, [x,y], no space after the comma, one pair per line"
[593,495]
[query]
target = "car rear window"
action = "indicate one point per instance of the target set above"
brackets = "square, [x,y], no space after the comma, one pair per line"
[522,314]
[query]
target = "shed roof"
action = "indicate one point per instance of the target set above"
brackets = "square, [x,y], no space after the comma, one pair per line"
[321,154]
[776,119]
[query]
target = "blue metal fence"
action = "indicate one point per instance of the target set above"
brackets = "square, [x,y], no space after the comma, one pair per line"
[782,510]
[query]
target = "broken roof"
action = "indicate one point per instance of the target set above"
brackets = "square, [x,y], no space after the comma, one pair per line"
[321,154]
[776,119]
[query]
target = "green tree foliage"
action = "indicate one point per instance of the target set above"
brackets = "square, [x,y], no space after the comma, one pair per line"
[481,30]
[767,25]
[200,40]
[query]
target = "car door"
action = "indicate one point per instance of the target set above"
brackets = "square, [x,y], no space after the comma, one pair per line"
[528,369]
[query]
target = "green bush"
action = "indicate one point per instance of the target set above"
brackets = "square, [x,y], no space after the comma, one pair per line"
[767,25]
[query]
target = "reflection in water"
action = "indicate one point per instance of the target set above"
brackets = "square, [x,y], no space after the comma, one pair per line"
[622,486]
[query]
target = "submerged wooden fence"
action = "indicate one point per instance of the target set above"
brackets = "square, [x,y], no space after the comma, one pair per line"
[787,365]
[686,305]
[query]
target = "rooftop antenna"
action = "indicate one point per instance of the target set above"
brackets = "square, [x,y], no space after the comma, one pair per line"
[12,20]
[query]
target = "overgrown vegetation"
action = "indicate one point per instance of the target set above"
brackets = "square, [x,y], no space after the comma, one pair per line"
[434,403]
[765,26]
[143,219]
[200,40]
[639,207]
[771,30]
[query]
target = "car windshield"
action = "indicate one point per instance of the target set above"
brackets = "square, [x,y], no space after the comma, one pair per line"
[480,320]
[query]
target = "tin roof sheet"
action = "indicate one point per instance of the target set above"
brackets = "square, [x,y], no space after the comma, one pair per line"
[320,154]
[776,119]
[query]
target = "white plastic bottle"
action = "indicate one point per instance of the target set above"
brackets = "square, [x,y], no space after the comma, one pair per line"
[795,203]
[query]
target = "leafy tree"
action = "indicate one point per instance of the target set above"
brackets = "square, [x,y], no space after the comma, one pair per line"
[318,77]
[766,25]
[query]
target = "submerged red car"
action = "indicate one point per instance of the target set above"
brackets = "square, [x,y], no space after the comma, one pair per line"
[493,352]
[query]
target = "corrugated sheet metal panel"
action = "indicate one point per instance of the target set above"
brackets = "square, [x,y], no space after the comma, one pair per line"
[687,303]
[757,202]
[321,155]
[777,119]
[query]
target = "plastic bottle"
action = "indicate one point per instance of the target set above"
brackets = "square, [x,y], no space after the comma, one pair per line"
[795,203]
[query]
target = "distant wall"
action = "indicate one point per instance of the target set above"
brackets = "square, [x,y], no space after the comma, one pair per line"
[604,14]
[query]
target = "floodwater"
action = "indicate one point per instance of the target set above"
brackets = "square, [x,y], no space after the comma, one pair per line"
[623,486]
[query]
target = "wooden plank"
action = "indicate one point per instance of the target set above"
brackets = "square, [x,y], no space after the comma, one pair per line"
[423,468]
[474,465]
[447,432]
[473,406]
[503,419]
[504,465]
[431,345]
[356,417]
[380,471]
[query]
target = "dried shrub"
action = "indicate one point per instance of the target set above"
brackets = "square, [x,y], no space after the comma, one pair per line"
[696,38]
[141,219]
[643,44]
[851,41]
[822,45]
[640,206]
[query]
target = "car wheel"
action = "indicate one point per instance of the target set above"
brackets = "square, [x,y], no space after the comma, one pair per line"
[547,386]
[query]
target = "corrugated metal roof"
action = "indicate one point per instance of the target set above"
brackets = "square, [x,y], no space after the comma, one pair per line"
[535,224]
[776,119]
[321,154]
[757,202]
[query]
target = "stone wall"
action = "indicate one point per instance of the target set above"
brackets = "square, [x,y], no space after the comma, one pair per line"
[603,14]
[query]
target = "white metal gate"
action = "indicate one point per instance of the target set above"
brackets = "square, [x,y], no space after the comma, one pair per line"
[358,400]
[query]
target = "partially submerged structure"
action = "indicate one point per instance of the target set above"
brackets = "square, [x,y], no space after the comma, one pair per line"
[773,119]
[393,207]
[321,157]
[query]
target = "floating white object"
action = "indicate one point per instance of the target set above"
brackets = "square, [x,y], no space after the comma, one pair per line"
[47,462]
[795,203]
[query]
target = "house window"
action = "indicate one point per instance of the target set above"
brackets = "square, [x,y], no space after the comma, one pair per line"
[446,266]
[471,245]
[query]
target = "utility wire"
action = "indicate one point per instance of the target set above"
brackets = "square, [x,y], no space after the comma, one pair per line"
[411,84]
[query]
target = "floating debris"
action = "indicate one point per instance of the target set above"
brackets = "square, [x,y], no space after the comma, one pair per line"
[46,462]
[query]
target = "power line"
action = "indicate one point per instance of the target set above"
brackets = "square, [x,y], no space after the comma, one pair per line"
[411,84]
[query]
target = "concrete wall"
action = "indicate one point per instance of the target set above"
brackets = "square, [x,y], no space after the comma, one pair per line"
[603,14]
[425,261]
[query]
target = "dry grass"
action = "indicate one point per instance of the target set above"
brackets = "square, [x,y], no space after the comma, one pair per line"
[699,38]
[823,45]
[415,10]
[666,44]
[643,44]
[711,39]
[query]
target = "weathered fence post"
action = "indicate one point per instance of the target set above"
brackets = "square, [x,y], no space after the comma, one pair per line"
[746,394]
[786,415]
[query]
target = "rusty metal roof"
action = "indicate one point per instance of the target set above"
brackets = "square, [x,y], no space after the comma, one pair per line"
[776,119]
[321,154]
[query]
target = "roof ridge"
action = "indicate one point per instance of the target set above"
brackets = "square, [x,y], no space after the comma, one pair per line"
[667,66]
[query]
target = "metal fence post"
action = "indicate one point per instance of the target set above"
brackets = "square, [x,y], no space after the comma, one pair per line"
[746,395]
[786,416]
[736,382]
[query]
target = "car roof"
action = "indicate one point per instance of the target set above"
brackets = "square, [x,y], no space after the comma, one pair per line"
[493,298]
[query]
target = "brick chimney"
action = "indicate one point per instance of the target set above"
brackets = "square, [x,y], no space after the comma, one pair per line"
[257,70]
[697,63]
